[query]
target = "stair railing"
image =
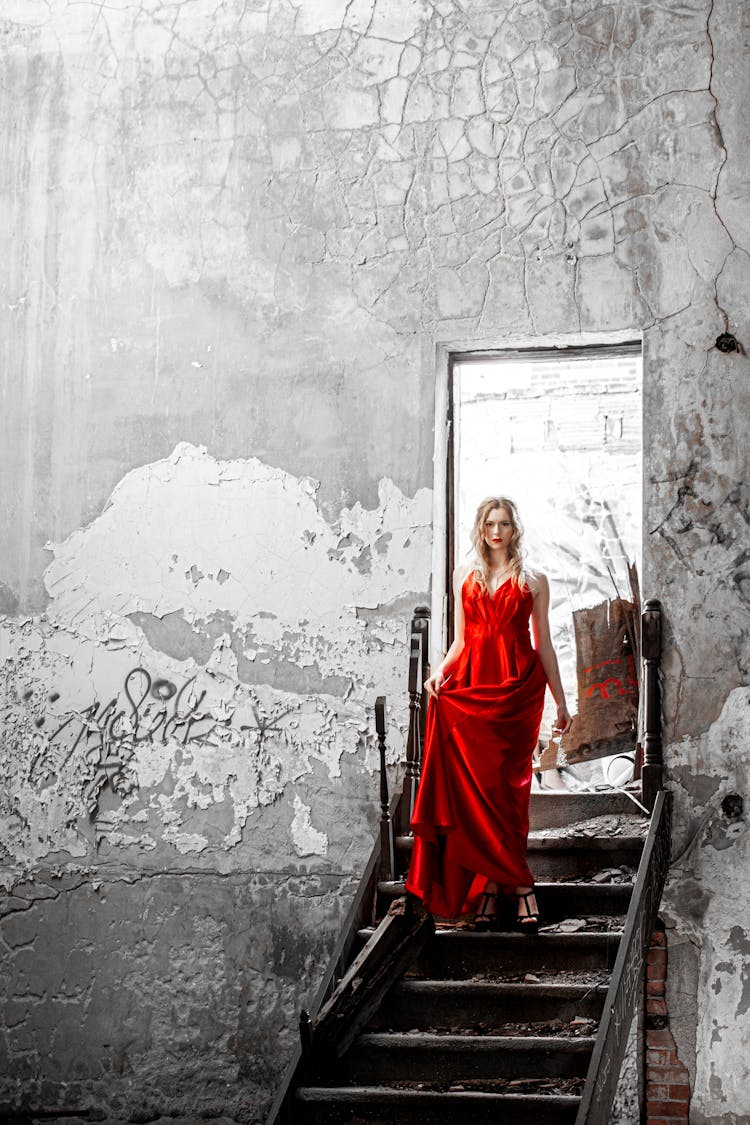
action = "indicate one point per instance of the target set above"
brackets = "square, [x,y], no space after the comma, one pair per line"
[352,985]
[626,985]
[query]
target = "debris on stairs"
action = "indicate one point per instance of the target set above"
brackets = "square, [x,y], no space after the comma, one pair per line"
[496,1026]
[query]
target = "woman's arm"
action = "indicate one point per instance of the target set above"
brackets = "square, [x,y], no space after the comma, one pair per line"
[438,677]
[539,587]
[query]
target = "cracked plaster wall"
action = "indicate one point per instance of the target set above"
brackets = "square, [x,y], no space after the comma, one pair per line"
[233,234]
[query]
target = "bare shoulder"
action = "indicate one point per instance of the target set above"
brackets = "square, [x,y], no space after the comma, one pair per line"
[536,581]
[460,574]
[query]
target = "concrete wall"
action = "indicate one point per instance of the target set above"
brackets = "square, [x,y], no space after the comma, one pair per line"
[233,234]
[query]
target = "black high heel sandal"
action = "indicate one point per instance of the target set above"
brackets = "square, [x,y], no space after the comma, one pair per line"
[528,923]
[485,919]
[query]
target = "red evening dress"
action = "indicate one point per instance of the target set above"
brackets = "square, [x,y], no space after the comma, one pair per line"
[471,815]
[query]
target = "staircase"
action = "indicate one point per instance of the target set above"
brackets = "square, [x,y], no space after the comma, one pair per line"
[417,1023]
[498,1026]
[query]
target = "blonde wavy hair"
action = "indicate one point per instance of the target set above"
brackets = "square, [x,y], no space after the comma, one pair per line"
[518,573]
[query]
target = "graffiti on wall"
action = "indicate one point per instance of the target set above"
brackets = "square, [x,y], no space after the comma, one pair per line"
[611,678]
[147,710]
[116,725]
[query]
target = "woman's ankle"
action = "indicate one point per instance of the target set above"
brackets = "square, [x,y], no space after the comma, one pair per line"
[527,904]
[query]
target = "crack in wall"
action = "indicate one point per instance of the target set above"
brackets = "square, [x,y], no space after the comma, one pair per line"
[722,163]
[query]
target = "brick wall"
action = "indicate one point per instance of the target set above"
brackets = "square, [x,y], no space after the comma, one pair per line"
[667,1081]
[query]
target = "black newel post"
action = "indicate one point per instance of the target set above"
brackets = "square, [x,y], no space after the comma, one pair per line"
[387,857]
[652,745]
[305,1033]
[418,672]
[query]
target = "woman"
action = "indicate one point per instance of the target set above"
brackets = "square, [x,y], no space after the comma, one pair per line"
[471,816]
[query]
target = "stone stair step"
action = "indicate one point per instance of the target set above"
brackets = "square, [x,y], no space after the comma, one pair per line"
[551,857]
[382,1058]
[572,900]
[455,954]
[540,840]
[553,853]
[556,900]
[555,809]
[379,1105]
[446,1004]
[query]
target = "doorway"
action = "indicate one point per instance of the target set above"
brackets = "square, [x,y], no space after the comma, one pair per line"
[559,430]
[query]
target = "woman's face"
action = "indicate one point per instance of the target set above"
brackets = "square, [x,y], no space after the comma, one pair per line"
[498,529]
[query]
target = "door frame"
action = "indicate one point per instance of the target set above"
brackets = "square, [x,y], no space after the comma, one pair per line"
[447,355]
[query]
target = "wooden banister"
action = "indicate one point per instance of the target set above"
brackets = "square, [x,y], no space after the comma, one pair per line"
[352,987]
[627,976]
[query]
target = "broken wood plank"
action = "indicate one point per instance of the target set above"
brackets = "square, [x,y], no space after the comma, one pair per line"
[396,942]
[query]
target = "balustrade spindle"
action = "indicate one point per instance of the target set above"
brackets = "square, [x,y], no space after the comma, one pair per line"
[652,741]
[387,851]
[412,742]
[421,624]
[415,738]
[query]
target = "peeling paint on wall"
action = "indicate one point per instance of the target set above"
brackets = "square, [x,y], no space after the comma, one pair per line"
[196,536]
[307,839]
[161,749]
[705,900]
